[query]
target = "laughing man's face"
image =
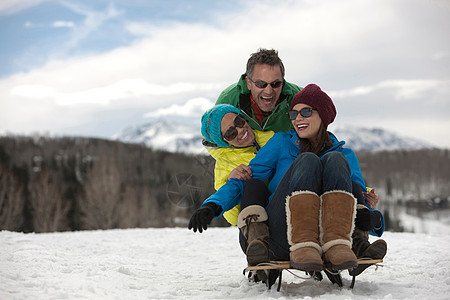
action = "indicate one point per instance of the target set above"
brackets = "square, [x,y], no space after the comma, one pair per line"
[267,97]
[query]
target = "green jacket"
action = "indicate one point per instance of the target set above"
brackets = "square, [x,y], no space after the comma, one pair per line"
[238,95]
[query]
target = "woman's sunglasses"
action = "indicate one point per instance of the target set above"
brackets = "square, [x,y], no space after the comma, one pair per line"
[232,132]
[304,112]
[262,84]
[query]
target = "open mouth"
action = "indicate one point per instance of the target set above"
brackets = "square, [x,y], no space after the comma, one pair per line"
[244,136]
[301,127]
[266,99]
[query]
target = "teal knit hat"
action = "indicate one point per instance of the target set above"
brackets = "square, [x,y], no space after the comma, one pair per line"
[211,121]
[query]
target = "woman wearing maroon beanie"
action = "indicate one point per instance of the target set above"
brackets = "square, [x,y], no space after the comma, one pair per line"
[311,210]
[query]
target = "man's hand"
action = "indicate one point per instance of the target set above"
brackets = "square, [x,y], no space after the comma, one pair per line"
[372,198]
[202,217]
[241,172]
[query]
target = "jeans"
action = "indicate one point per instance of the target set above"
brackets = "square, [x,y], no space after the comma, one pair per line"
[311,173]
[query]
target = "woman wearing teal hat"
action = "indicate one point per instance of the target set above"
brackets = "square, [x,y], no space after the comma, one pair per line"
[233,143]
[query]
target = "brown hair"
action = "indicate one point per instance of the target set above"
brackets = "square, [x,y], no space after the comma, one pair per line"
[265,57]
[319,144]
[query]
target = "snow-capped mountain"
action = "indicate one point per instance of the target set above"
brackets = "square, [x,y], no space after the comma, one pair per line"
[376,139]
[176,137]
[164,135]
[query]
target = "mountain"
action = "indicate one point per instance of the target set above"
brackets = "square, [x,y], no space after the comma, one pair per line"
[177,137]
[164,135]
[376,139]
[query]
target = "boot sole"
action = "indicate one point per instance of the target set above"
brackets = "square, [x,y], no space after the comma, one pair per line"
[308,267]
[344,266]
[257,252]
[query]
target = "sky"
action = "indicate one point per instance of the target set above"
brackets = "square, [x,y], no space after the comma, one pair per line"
[93,68]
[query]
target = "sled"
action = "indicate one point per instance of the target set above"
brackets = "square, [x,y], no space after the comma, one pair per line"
[273,270]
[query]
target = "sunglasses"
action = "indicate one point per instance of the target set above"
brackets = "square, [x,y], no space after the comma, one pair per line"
[232,132]
[304,112]
[262,84]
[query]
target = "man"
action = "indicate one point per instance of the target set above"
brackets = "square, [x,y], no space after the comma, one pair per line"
[262,93]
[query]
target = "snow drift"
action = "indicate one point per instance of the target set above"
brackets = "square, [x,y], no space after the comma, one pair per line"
[178,264]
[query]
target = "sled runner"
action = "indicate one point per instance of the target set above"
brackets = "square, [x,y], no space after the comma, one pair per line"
[270,272]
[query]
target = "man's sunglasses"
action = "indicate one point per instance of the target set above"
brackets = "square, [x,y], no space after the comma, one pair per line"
[232,132]
[262,84]
[304,112]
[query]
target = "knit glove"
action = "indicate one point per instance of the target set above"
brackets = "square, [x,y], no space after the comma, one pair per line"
[366,219]
[202,217]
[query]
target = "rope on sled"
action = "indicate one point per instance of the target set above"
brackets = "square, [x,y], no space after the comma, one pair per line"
[286,269]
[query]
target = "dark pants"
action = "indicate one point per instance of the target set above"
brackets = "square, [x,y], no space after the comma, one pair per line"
[307,173]
[255,193]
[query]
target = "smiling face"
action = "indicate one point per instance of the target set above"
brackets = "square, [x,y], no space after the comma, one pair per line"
[245,136]
[267,97]
[307,128]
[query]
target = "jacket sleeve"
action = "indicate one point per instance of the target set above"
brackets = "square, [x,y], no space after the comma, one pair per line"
[228,196]
[357,177]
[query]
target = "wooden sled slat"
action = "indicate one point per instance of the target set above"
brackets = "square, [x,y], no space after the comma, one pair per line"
[286,265]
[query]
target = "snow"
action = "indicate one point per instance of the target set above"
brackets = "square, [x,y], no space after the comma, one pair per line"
[174,263]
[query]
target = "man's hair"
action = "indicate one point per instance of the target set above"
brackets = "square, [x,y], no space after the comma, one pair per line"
[266,57]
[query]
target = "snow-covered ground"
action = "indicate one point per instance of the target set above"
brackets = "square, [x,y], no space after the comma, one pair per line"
[174,263]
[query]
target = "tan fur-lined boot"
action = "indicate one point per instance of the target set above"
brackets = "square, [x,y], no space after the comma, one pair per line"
[252,223]
[337,225]
[302,213]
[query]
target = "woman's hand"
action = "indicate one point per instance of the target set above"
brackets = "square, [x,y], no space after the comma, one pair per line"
[241,172]
[372,198]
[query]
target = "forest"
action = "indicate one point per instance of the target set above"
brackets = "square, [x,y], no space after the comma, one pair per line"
[52,184]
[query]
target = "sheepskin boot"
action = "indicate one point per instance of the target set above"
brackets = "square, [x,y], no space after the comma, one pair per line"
[252,223]
[302,216]
[365,250]
[337,225]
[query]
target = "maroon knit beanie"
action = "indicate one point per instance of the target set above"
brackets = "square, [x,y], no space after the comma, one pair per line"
[313,96]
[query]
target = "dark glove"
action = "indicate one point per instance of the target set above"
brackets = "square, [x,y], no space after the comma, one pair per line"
[203,217]
[366,219]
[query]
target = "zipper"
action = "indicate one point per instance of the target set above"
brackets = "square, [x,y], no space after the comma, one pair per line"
[277,107]
[254,121]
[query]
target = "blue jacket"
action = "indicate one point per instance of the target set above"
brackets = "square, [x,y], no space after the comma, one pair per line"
[273,160]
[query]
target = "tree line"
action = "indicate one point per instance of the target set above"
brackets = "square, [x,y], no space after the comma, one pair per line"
[60,184]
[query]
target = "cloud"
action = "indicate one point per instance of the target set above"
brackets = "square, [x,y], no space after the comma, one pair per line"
[402,88]
[92,22]
[34,91]
[28,24]
[67,24]
[121,90]
[193,107]
[8,7]
[367,54]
